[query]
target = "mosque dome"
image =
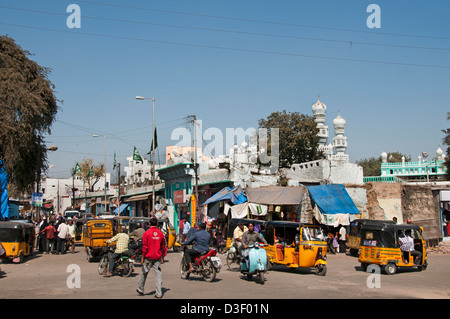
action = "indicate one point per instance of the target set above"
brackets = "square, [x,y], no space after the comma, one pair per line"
[339,121]
[319,107]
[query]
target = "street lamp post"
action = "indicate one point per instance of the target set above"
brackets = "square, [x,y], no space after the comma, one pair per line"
[104,136]
[153,149]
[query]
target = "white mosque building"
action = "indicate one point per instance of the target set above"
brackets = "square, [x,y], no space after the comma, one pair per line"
[335,167]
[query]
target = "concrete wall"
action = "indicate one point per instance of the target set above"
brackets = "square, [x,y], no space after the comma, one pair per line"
[389,196]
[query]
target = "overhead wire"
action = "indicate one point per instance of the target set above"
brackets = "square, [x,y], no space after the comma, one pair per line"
[272,35]
[261,21]
[230,48]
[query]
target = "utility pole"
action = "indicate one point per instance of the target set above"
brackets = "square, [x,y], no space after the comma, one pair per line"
[193,119]
[118,190]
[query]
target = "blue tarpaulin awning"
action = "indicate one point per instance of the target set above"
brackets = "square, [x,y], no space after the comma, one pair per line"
[235,195]
[121,209]
[332,199]
[4,205]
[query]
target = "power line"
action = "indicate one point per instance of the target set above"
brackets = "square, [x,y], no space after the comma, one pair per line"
[347,42]
[229,48]
[261,21]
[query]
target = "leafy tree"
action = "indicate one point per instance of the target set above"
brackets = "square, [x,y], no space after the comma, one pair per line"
[298,140]
[90,173]
[28,107]
[372,166]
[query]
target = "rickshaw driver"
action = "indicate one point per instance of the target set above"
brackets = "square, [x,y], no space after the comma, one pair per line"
[407,246]
[249,238]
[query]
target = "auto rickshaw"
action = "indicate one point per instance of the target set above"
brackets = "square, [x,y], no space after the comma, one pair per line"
[296,245]
[380,245]
[79,229]
[17,239]
[170,233]
[121,224]
[354,236]
[95,234]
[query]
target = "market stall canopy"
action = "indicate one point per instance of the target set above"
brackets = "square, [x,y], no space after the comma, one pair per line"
[332,199]
[234,195]
[138,197]
[121,209]
[275,195]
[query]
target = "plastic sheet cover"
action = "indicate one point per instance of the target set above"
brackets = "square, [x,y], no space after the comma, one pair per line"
[234,195]
[332,199]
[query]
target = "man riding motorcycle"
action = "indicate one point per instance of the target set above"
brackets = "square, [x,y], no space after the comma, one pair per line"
[121,246]
[201,239]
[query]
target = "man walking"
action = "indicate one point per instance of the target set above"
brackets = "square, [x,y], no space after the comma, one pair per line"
[153,251]
[63,232]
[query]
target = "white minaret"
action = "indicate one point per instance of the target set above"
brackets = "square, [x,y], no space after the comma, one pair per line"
[319,112]
[340,140]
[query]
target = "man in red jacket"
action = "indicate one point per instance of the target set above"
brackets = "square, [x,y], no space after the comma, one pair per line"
[153,251]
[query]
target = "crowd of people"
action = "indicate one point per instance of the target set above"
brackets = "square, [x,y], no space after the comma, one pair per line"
[55,234]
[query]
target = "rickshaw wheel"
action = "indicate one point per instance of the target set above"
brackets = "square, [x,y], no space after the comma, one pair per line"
[21,258]
[390,268]
[423,267]
[364,267]
[321,270]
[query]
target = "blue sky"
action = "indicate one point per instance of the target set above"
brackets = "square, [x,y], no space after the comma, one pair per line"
[232,63]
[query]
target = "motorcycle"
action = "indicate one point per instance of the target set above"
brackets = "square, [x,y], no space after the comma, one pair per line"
[124,264]
[254,262]
[206,265]
[135,249]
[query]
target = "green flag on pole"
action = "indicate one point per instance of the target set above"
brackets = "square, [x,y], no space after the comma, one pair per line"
[77,169]
[91,171]
[155,139]
[136,156]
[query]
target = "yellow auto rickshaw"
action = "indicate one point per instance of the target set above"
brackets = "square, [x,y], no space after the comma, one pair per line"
[121,224]
[380,245]
[354,236]
[95,234]
[79,229]
[296,245]
[17,239]
[170,234]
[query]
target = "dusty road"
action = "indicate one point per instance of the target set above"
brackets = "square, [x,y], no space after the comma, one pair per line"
[52,277]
